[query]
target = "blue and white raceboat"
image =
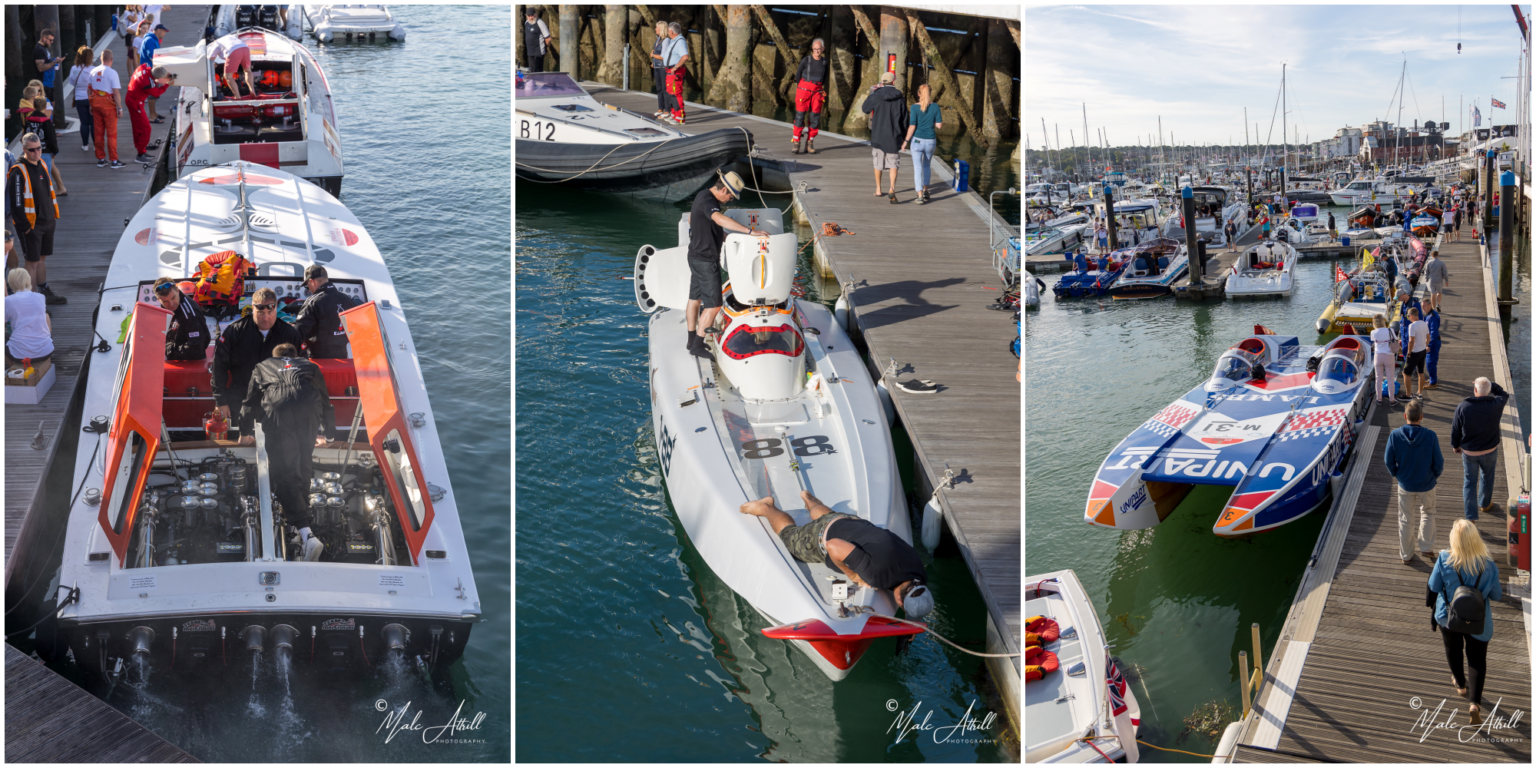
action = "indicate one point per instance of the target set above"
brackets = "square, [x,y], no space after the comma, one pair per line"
[1275,421]
[1153,268]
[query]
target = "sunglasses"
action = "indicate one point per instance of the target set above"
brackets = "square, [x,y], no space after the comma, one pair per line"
[163,289]
[34,149]
[264,307]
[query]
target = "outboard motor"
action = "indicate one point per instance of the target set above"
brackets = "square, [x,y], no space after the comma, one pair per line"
[763,353]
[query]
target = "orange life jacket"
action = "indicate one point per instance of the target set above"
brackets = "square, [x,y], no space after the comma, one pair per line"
[1040,630]
[221,279]
[28,204]
[1038,663]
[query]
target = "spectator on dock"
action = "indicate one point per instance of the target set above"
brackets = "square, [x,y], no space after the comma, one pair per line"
[47,64]
[1414,460]
[1475,435]
[1457,214]
[34,212]
[1264,223]
[925,120]
[1439,277]
[888,116]
[77,89]
[1101,236]
[1333,227]
[811,96]
[27,314]
[674,55]
[1416,339]
[1231,232]
[146,84]
[658,71]
[1466,563]
[106,91]
[1432,361]
[147,50]
[187,338]
[707,225]
[1385,348]
[535,38]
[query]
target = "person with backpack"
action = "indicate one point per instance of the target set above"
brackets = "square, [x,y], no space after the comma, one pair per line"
[243,345]
[287,395]
[1413,458]
[1465,580]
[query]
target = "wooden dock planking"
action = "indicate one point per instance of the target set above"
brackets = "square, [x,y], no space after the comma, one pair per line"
[91,221]
[50,720]
[1373,652]
[922,276]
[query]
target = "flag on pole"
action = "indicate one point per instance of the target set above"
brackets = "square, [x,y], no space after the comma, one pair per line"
[1496,103]
[1125,726]
[1338,274]
[1477,117]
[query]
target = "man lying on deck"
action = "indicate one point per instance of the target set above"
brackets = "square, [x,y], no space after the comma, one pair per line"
[868,554]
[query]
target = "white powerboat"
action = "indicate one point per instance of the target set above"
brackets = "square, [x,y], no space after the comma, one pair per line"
[1214,207]
[1080,709]
[352,22]
[786,405]
[1363,191]
[1294,231]
[1136,220]
[566,136]
[1047,239]
[289,124]
[1265,269]
[176,553]
[1154,267]
[228,18]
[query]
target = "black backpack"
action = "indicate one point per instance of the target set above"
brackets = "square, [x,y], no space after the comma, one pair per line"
[1466,609]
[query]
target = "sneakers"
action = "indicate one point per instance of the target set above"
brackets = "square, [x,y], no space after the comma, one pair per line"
[49,297]
[143,158]
[101,163]
[312,548]
[115,164]
[921,200]
[85,147]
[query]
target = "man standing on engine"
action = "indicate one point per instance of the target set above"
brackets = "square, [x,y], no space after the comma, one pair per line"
[706,234]
[287,395]
[810,94]
[319,318]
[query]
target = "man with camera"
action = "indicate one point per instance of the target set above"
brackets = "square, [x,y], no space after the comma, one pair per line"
[147,82]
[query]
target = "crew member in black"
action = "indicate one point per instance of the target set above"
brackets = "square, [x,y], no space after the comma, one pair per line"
[287,395]
[658,71]
[811,94]
[319,318]
[243,344]
[706,233]
[866,553]
[535,39]
[187,338]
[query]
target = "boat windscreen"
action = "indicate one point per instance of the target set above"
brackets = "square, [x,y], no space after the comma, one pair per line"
[1233,369]
[546,84]
[1335,374]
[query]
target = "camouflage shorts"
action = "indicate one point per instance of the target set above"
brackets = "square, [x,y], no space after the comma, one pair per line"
[804,541]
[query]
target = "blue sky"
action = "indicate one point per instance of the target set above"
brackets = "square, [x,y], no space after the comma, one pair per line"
[1199,65]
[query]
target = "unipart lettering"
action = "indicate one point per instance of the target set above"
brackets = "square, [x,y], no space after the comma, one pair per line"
[333,624]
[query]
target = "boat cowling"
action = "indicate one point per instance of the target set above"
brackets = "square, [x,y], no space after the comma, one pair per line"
[842,651]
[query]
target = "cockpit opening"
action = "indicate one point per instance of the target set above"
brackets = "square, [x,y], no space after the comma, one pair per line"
[749,341]
[1232,369]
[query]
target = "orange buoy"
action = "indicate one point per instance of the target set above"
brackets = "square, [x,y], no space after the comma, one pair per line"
[1038,663]
[1040,630]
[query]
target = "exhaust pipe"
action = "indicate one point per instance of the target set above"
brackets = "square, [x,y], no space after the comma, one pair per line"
[283,638]
[140,638]
[395,637]
[254,637]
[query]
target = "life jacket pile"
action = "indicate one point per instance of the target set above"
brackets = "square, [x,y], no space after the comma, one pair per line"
[1038,662]
[221,279]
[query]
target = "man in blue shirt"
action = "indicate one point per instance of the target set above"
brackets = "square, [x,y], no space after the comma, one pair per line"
[674,53]
[1414,460]
[147,50]
[1432,363]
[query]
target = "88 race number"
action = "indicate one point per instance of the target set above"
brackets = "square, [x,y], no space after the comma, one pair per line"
[815,445]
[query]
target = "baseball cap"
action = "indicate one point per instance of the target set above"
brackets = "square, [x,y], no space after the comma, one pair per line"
[159,27]
[918,601]
[313,271]
[887,77]
[732,182]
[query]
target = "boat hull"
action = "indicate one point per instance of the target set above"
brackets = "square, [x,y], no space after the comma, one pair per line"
[670,171]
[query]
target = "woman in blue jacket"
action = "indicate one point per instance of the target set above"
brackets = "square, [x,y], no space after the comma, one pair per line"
[1466,563]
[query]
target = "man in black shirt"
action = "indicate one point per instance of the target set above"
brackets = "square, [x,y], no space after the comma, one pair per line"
[34,211]
[287,395]
[535,39]
[319,318]
[706,233]
[658,71]
[188,336]
[888,115]
[243,345]
[811,94]
[46,62]
[866,553]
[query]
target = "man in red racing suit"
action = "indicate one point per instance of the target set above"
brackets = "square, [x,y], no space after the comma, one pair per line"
[811,94]
[146,83]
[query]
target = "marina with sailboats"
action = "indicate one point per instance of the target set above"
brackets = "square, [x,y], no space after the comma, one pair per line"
[1209,528]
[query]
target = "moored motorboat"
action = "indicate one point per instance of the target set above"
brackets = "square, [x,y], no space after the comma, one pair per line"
[329,23]
[177,554]
[1265,269]
[1151,269]
[1275,421]
[228,18]
[785,405]
[289,123]
[1357,299]
[565,136]
[1078,707]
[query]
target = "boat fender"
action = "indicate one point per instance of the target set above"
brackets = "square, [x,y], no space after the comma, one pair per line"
[840,312]
[1038,663]
[1040,630]
[885,400]
[933,512]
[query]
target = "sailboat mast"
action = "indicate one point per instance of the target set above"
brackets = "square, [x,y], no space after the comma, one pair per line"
[1397,145]
[1285,145]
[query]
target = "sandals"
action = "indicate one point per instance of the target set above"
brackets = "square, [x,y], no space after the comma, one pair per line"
[893,198]
[917,386]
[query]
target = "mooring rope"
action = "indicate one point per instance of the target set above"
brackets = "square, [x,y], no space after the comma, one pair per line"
[947,640]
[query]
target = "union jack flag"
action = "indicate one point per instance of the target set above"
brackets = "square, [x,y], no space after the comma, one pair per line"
[1496,103]
[1117,705]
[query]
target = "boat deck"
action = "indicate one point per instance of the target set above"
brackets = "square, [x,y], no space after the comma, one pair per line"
[924,278]
[1357,653]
